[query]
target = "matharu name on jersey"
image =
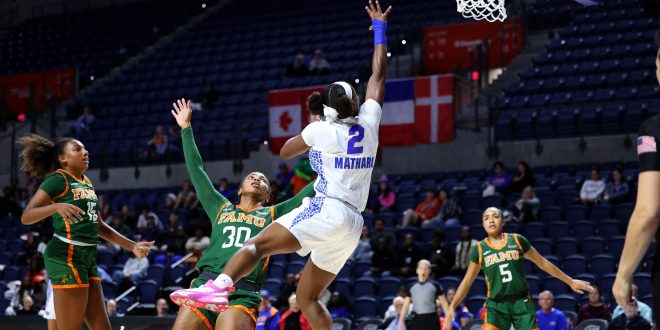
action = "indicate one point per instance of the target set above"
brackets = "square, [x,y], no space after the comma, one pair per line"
[249,219]
[354,163]
[82,193]
[501,256]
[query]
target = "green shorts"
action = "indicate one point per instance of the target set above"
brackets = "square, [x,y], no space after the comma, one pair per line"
[501,315]
[247,301]
[70,266]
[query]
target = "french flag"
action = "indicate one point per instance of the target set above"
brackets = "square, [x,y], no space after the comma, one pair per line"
[397,124]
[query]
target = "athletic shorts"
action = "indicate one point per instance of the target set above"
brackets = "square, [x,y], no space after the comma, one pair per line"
[327,228]
[70,266]
[501,315]
[247,301]
[647,150]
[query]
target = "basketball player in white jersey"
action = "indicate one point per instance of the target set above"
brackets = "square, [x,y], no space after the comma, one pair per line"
[342,149]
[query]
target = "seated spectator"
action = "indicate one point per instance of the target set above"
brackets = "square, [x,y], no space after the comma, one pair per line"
[631,319]
[463,315]
[288,288]
[594,309]
[426,209]
[85,121]
[644,309]
[524,178]
[297,68]
[116,221]
[150,232]
[527,207]
[135,270]
[103,207]
[198,244]
[363,250]
[176,246]
[380,232]
[174,139]
[616,192]
[205,98]
[499,181]
[442,257]
[127,215]
[384,258]
[339,306]
[142,219]
[392,322]
[186,198]
[269,316]
[158,143]
[26,307]
[448,213]
[319,65]
[592,189]
[463,249]
[548,317]
[294,318]
[284,174]
[226,190]
[105,277]
[409,255]
[169,231]
[386,197]
[111,308]
[162,308]
[276,194]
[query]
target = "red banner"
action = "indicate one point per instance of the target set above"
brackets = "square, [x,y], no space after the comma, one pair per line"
[38,89]
[288,114]
[447,47]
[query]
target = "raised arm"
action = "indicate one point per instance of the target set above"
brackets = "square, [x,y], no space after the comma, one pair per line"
[212,201]
[376,85]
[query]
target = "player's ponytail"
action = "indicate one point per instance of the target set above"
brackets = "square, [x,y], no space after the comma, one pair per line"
[40,155]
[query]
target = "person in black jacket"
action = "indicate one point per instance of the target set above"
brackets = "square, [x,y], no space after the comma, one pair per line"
[630,319]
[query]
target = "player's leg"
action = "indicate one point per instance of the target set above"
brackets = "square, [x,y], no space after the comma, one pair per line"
[192,319]
[235,319]
[68,304]
[69,282]
[313,282]
[52,324]
[496,316]
[95,315]
[524,314]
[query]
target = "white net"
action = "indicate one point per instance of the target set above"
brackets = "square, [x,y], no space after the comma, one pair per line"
[490,10]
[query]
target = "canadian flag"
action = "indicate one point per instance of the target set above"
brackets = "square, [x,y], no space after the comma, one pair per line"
[287,114]
[434,110]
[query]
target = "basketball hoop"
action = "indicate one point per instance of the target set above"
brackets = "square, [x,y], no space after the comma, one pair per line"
[490,10]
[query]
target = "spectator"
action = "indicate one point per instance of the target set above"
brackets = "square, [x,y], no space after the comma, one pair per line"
[527,207]
[363,250]
[8,203]
[206,98]
[158,142]
[441,256]
[116,221]
[499,181]
[105,277]
[463,315]
[426,209]
[170,229]
[384,259]
[134,271]
[339,306]
[448,213]
[85,121]
[162,308]
[198,244]
[423,295]
[386,197]
[594,309]
[463,249]
[26,307]
[288,288]
[298,68]
[524,178]
[127,215]
[111,307]
[548,317]
[644,309]
[103,207]
[150,232]
[294,318]
[142,219]
[303,175]
[409,255]
[616,191]
[319,65]
[174,139]
[630,319]
[176,246]
[284,174]
[226,190]
[592,189]
[392,322]
[269,316]
[276,194]
[379,229]
[186,198]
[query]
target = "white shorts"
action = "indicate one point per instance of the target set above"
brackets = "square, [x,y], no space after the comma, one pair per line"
[49,309]
[326,227]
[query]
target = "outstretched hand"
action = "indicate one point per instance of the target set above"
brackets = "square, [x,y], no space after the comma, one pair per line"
[580,286]
[182,113]
[375,12]
[141,249]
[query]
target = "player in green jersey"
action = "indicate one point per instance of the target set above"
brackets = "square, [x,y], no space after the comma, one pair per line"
[500,257]
[68,196]
[232,226]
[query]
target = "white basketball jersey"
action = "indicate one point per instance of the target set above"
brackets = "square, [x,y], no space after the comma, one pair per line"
[344,155]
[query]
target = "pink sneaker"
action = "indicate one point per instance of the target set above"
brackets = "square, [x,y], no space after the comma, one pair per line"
[208,296]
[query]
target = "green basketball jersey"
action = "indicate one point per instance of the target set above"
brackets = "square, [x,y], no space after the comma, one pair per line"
[63,187]
[231,228]
[503,266]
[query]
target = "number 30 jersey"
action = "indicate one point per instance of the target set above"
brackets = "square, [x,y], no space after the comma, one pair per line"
[343,154]
[62,187]
[503,266]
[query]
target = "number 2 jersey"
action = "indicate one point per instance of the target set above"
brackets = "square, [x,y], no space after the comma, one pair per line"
[232,224]
[343,154]
[62,187]
[503,266]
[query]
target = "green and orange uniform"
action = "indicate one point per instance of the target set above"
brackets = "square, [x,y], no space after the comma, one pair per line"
[70,257]
[232,226]
[508,295]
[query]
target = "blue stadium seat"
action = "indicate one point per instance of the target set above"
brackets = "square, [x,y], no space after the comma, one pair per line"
[622,212]
[295,267]
[273,285]
[175,275]
[109,289]
[452,233]
[607,280]
[558,230]
[574,265]
[609,228]
[388,286]
[364,286]
[472,217]
[478,287]
[550,213]
[643,282]
[533,230]
[534,283]
[365,307]
[156,273]
[543,246]
[384,303]
[448,282]
[615,246]
[276,270]
[566,246]
[592,245]
[148,291]
[361,267]
[601,264]
[343,285]
[475,302]
[565,302]
[10,273]
[575,213]
[583,229]
[554,285]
